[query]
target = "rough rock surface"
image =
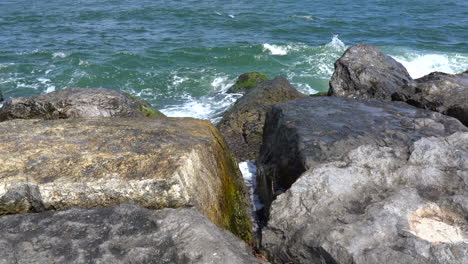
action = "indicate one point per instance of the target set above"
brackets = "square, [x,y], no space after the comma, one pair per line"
[76,103]
[302,134]
[121,234]
[440,92]
[169,162]
[247,81]
[365,72]
[242,124]
[379,204]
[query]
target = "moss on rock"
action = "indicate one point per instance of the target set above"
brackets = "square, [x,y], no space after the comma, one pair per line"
[247,81]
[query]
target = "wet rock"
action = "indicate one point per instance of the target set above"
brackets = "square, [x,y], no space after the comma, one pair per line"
[380,203]
[157,163]
[120,234]
[438,91]
[247,81]
[242,124]
[365,72]
[1,96]
[77,103]
[302,134]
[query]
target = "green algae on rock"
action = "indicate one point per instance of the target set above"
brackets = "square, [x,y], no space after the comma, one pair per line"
[99,162]
[247,81]
[77,103]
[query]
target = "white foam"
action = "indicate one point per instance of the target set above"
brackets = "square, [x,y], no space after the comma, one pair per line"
[249,173]
[221,83]
[336,44]
[310,18]
[206,107]
[275,49]
[59,54]
[419,65]
[176,80]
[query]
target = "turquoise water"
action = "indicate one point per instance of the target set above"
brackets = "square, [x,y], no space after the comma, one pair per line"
[181,55]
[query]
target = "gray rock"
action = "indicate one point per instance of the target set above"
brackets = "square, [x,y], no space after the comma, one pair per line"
[242,125]
[440,92]
[76,103]
[365,72]
[98,162]
[121,234]
[304,133]
[379,204]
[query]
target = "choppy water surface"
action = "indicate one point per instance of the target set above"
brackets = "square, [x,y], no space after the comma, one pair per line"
[182,55]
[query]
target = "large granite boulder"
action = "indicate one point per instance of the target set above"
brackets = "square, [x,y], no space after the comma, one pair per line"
[438,91]
[157,163]
[247,81]
[365,72]
[242,124]
[121,234]
[76,103]
[379,204]
[304,133]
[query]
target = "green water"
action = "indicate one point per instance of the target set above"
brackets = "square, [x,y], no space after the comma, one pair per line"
[182,55]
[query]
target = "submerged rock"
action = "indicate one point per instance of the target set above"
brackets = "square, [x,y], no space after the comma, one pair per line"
[378,204]
[157,163]
[365,72]
[247,81]
[438,91]
[242,124]
[302,134]
[121,234]
[77,103]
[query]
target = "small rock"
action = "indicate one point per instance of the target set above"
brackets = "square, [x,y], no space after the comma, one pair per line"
[242,124]
[247,81]
[440,92]
[77,103]
[365,72]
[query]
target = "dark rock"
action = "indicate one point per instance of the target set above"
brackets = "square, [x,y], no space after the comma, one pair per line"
[365,72]
[302,134]
[247,81]
[121,234]
[440,92]
[76,103]
[1,96]
[378,204]
[242,124]
[98,162]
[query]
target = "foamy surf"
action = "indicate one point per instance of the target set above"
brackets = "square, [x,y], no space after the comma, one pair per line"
[419,65]
[276,49]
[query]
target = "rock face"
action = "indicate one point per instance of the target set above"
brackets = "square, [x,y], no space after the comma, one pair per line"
[365,72]
[157,163]
[242,124]
[247,81]
[440,92]
[379,204]
[76,103]
[121,234]
[302,134]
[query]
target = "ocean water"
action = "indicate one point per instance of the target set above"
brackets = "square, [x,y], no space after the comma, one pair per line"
[181,56]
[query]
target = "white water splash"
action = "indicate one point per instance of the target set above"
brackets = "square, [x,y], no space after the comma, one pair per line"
[249,173]
[59,54]
[419,65]
[275,49]
[336,44]
[206,107]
